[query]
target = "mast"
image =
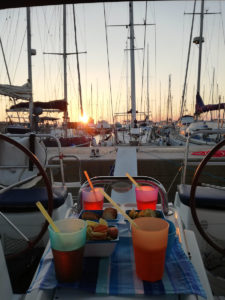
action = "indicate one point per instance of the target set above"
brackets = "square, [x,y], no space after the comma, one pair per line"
[187,65]
[29,67]
[200,47]
[213,91]
[65,67]
[78,66]
[148,81]
[127,84]
[132,65]
[169,100]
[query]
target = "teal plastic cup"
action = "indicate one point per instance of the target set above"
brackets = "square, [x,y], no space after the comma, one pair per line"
[68,248]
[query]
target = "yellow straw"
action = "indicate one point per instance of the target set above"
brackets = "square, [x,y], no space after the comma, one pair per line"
[118,208]
[46,215]
[89,180]
[132,179]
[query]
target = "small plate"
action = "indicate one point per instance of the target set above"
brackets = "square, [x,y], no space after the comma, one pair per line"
[99,213]
[159,213]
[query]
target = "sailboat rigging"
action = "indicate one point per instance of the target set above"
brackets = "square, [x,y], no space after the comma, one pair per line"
[133,134]
[191,124]
[200,107]
[66,140]
[36,108]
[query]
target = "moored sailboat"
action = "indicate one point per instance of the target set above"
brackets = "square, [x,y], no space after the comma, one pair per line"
[188,127]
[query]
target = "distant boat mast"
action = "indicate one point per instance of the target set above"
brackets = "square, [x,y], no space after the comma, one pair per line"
[29,50]
[132,65]
[200,47]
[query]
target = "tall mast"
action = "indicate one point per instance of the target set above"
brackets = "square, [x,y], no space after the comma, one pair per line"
[127,84]
[29,66]
[78,66]
[132,65]
[200,48]
[148,81]
[65,66]
[169,100]
[187,65]
[213,90]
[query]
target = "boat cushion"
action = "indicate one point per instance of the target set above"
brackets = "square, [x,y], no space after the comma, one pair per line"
[205,197]
[20,200]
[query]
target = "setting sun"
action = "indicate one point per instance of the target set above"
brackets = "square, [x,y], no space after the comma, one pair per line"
[84,118]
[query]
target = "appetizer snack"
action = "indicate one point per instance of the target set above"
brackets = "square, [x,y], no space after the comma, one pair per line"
[109,213]
[89,215]
[101,231]
[143,213]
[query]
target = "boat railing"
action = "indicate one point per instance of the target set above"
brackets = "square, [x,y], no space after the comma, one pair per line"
[46,163]
[122,184]
[53,165]
[57,162]
[188,162]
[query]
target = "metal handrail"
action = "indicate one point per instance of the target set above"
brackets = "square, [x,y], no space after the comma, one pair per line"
[142,180]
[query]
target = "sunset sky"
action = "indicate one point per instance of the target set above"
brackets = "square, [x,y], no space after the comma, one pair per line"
[167,41]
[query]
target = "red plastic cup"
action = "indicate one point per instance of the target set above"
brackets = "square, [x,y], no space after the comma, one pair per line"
[92,200]
[149,243]
[146,197]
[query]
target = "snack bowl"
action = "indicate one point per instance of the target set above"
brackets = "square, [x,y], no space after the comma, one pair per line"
[100,248]
[158,213]
[99,214]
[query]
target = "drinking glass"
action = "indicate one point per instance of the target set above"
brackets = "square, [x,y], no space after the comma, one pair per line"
[149,243]
[92,200]
[146,197]
[68,248]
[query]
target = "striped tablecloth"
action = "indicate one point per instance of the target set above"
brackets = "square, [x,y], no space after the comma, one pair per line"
[116,275]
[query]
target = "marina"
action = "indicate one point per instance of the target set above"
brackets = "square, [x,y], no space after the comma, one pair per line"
[147,165]
[112,188]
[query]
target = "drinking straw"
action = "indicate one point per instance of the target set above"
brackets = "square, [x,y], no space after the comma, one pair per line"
[118,208]
[46,215]
[132,179]
[89,181]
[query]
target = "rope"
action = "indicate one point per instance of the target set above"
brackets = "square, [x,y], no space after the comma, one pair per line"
[174,179]
[107,48]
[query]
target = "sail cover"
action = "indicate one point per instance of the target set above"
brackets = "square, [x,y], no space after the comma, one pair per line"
[200,107]
[17,92]
[55,104]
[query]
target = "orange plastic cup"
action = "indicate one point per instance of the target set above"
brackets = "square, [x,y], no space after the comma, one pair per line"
[146,197]
[149,243]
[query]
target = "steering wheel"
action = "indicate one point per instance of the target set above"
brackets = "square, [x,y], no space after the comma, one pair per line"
[192,197]
[47,183]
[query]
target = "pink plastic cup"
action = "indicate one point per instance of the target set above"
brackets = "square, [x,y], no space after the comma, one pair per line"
[146,197]
[92,200]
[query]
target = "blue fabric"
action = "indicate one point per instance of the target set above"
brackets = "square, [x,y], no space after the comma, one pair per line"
[205,197]
[25,199]
[116,275]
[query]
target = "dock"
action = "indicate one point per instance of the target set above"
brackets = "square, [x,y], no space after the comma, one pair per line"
[162,163]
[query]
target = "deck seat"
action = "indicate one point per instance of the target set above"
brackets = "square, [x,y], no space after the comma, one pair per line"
[205,197]
[21,200]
